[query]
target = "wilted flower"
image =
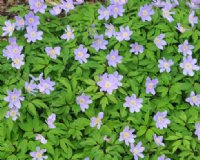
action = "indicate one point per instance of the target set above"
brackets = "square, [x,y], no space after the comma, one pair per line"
[180,28]
[151,85]
[116,10]
[40,138]
[38,155]
[163,158]
[32,20]
[99,42]
[46,85]
[189,66]
[50,120]
[18,61]
[124,34]
[167,14]
[8,29]
[97,121]
[161,121]
[37,6]
[56,10]
[33,34]
[110,30]
[194,100]
[13,113]
[83,101]
[159,42]
[67,5]
[69,33]
[146,12]
[137,150]
[113,58]
[133,103]
[165,65]
[53,52]
[14,98]
[185,48]
[127,136]
[30,87]
[81,54]
[193,19]
[136,48]
[104,13]
[19,22]
[158,140]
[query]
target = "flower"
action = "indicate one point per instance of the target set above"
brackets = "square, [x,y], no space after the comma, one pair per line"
[185,48]
[40,138]
[97,121]
[81,54]
[109,82]
[83,101]
[31,20]
[69,33]
[99,42]
[110,30]
[104,13]
[127,135]
[124,34]
[38,155]
[159,42]
[18,61]
[12,50]
[30,87]
[164,65]
[14,98]
[151,85]
[189,65]
[194,100]
[78,2]
[50,120]
[167,14]
[163,158]
[56,10]
[146,12]
[197,131]
[37,6]
[193,5]
[180,28]
[33,35]
[8,29]
[118,2]
[113,58]
[46,85]
[67,5]
[116,10]
[193,19]
[158,140]
[19,22]
[133,103]
[13,113]
[105,138]
[136,48]
[137,150]
[161,121]
[53,52]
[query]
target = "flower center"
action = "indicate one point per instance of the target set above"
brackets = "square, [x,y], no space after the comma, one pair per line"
[157,140]
[157,40]
[98,120]
[10,29]
[135,151]
[126,135]
[33,34]
[116,9]
[166,65]
[105,13]
[133,102]
[16,61]
[125,34]
[52,52]
[145,13]
[150,85]
[68,5]
[13,113]
[80,54]
[69,34]
[38,4]
[185,47]
[113,58]
[108,84]
[30,20]
[38,155]
[14,98]
[194,98]
[81,101]
[188,65]
[160,119]
[99,42]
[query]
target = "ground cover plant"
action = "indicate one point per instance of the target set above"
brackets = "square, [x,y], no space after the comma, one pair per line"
[118,80]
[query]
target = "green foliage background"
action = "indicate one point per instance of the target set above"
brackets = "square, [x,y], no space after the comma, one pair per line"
[73,138]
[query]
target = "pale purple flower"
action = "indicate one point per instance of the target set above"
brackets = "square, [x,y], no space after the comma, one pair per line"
[12,40]
[40,138]
[133,103]
[67,5]
[109,82]
[146,12]
[84,101]
[180,28]
[137,150]
[127,136]
[165,65]
[86,158]
[18,61]
[159,42]
[110,30]
[105,138]
[53,52]
[189,66]
[193,19]
[8,29]
[14,98]
[69,33]
[158,140]
[56,10]
[185,48]
[33,34]
[12,50]
[81,54]
[118,2]
[151,85]
[197,2]
[194,4]
[136,48]
[37,6]
[46,85]
[19,22]
[78,2]
[116,10]
[50,120]
[97,121]
[104,13]
[194,100]
[13,113]
[124,34]
[161,120]
[163,158]
[30,87]
[197,131]
[32,20]
[167,14]
[113,58]
[159,3]
[38,155]
[99,42]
